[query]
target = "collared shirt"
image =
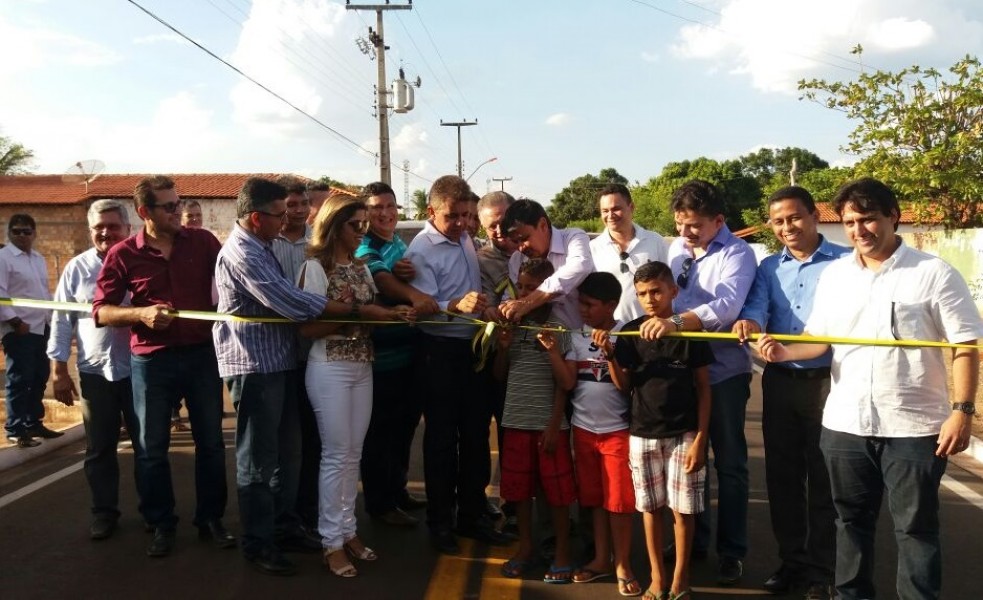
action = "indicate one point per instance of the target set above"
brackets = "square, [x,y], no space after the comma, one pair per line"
[494,265]
[291,254]
[784,287]
[569,254]
[379,253]
[444,270]
[103,351]
[718,284]
[251,284]
[645,247]
[23,275]
[891,391]
[184,281]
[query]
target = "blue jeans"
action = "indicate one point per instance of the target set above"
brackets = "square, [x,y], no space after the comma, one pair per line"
[103,403]
[27,375]
[267,456]
[728,405]
[159,380]
[861,470]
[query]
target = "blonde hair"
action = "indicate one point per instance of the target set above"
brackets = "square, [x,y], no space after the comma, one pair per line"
[330,218]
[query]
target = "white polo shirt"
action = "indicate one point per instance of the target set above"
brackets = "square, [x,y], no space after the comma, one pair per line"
[891,391]
[645,247]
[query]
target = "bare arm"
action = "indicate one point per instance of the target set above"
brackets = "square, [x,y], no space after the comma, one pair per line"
[156,317]
[774,352]
[955,432]
[564,376]
[696,456]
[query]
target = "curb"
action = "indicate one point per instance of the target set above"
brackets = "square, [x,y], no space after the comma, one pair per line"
[13,456]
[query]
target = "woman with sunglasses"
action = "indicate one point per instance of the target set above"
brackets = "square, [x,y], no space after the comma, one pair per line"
[339,372]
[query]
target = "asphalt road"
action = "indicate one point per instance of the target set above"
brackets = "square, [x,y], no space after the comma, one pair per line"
[45,551]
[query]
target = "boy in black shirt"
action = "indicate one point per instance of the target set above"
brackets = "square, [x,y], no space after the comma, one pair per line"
[669,383]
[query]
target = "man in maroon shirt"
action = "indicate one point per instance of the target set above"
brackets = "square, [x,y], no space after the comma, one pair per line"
[165,267]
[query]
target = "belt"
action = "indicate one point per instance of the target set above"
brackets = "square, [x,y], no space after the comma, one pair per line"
[815,373]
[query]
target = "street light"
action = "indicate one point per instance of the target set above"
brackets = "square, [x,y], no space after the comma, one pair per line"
[492,159]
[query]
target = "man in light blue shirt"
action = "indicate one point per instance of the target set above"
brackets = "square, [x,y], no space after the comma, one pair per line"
[103,355]
[714,271]
[794,393]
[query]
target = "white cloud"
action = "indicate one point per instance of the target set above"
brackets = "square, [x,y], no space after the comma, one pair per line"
[28,48]
[558,119]
[409,138]
[776,42]
[160,37]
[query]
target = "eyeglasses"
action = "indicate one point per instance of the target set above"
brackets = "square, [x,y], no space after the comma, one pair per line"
[624,262]
[683,278]
[279,215]
[358,226]
[169,207]
[21,231]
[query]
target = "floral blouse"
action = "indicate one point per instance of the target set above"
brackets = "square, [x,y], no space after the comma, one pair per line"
[345,283]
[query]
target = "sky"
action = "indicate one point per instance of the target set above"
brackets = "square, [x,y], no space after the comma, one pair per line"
[559,88]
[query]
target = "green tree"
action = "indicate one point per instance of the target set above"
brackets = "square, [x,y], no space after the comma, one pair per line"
[15,159]
[769,164]
[418,205]
[578,201]
[920,132]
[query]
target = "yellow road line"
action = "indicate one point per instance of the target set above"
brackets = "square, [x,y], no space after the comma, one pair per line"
[450,575]
[493,585]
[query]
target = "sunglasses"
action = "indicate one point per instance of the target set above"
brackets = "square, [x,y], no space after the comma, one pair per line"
[21,231]
[358,226]
[168,207]
[683,278]
[624,262]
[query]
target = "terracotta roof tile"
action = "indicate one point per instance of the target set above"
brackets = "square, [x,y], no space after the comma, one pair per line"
[828,215]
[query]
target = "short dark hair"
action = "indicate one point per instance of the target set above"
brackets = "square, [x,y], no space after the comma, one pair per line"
[600,285]
[868,195]
[318,186]
[654,270]
[794,192]
[258,193]
[377,188]
[143,195]
[21,219]
[448,189]
[537,268]
[701,197]
[615,188]
[523,212]
[293,184]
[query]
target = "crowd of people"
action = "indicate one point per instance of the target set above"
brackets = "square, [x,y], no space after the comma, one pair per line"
[348,336]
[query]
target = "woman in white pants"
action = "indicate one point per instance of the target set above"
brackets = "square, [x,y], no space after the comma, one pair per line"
[339,371]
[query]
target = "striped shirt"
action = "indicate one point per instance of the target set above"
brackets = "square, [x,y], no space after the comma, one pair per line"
[250,284]
[290,255]
[103,351]
[529,393]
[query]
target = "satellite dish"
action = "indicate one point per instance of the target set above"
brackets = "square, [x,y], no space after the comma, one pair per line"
[84,171]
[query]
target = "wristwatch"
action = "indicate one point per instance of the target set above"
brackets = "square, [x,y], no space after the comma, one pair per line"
[677,320]
[967,408]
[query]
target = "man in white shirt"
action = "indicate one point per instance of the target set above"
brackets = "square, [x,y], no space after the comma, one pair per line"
[568,250]
[624,246]
[103,355]
[24,274]
[888,428]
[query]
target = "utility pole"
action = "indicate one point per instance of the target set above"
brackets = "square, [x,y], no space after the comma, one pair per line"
[377,40]
[459,125]
[502,180]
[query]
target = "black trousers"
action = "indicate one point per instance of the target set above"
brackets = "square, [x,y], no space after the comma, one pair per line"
[310,455]
[457,463]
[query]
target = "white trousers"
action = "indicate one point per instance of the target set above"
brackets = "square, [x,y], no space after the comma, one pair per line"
[341,396]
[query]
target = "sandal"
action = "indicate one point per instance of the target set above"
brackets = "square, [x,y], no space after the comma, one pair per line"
[359,550]
[345,570]
[558,575]
[650,595]
[672,596]
[629,587]
[516,567]
[585,575]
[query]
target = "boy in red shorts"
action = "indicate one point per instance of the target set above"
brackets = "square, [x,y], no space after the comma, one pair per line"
[600,439]
[670,413]
[536,442]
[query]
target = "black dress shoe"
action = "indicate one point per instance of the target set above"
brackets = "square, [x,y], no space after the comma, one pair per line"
[782,580]
[162,544]
[409,502]
[493,511]
[483,531]
[299,540]
[444,542]
[272,563]
[23,441]
[730,572]
[397,518]
[41,431]
[213,531]
[102,527]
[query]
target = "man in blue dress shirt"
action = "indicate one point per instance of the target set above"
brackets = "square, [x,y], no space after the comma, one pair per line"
[780,301]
